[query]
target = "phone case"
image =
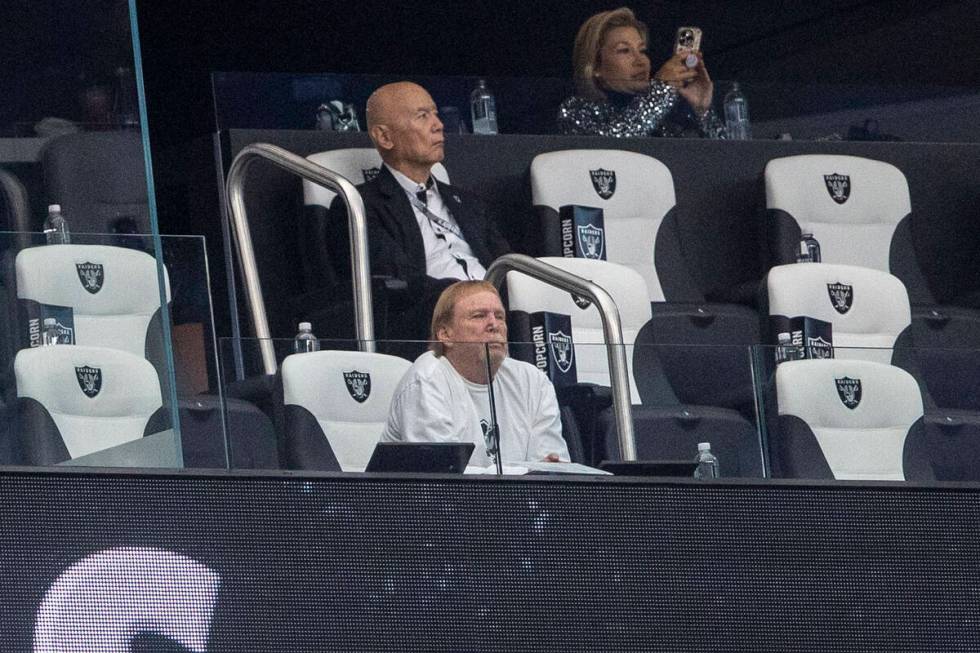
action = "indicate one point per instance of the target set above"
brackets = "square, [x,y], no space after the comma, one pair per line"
[688,39]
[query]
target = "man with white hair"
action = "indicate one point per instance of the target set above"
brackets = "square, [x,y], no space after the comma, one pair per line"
[444,396]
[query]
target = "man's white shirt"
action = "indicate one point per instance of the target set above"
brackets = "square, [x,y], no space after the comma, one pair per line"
[443,248]
[434,403]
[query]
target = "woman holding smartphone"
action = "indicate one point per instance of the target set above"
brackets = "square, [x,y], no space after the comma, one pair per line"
[616,95]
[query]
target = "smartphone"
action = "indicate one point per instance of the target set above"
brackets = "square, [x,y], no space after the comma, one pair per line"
[688,40]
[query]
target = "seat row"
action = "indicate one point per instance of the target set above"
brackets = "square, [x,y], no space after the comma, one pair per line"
[852,213]
[325,425]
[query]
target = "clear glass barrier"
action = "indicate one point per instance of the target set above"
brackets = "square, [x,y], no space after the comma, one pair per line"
[99,297]
[328,404]
[72,133]
[676,404]
[248,100]
[861,112]
[88,87]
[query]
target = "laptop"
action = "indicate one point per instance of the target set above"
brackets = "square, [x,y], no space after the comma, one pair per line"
[422,457]
[650,467]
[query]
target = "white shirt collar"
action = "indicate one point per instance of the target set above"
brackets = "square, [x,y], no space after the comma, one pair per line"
[408,185]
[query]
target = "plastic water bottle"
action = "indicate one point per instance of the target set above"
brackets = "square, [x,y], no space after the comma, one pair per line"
[56,227]
[305,340]
[803,256]
[809,249]
[707,462]
[50,334]
[483,109]
[786,350]
[737,115]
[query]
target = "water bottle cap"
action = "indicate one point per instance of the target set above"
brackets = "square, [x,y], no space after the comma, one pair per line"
[50,321]
[54,208]
[305,326]
[704,446]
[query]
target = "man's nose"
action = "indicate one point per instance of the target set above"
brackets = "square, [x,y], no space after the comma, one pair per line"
[437,125]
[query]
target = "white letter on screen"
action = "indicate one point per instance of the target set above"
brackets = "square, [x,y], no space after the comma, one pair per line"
[106,599]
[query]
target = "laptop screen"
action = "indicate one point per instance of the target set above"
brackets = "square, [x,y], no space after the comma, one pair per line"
[428,457]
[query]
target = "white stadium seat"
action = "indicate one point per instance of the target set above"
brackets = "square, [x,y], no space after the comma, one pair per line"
[627,289]
[845,419]
[868,309]
[853,206]
[100,295]
[635,193]
[76,400]
[336,405]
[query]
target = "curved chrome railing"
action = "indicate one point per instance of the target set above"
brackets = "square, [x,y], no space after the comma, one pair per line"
[611,325]
[357,227]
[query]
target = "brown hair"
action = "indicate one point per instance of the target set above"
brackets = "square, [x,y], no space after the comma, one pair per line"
[588,43]
[442,315]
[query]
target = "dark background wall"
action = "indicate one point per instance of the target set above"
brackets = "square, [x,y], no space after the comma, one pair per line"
[892,48]
[882,49]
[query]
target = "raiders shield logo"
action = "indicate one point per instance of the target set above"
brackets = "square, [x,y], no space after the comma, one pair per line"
[489,437]
[849,391]
[89,380]
[819,348]
[358,385]
[839,187]
[92,276]
[370,174]
[561,350]
[604,182]
[580,301]
[841,296]
[590,241]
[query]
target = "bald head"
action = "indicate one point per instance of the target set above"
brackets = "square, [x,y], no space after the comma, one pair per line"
[404,125]
[383,104]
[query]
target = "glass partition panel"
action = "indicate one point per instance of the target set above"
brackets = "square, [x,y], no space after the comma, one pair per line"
[247,100]
[859,112]
[327,407]
[787,110]
[552,400]
[680,396]
[73,134]
[104,395]
[853,413]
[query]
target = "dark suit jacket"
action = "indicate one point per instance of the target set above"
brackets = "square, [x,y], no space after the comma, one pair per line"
[395,241]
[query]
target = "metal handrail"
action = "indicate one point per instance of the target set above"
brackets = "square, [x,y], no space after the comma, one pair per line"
[357,228]
[611,326]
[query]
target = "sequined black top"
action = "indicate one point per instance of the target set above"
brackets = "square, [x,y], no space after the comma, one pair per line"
[654,113]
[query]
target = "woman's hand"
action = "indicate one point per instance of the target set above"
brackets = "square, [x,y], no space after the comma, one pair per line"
[675,73]
[699,90]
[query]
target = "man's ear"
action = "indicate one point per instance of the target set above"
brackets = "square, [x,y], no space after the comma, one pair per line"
[443,335]
[381,137]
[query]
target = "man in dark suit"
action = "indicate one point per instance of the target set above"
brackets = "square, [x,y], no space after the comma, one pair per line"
[421,231]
